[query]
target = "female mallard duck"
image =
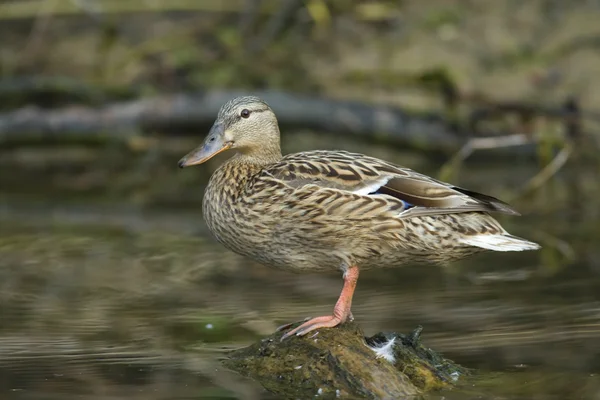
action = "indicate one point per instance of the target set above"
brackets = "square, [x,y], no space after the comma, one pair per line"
[334,210]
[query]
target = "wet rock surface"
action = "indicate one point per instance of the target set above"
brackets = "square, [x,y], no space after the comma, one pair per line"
[342,363]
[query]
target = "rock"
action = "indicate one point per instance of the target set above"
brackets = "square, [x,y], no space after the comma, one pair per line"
[342,363]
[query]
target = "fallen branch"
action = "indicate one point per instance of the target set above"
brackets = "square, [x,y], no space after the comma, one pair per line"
[28,9]
[192,113]
[56,92]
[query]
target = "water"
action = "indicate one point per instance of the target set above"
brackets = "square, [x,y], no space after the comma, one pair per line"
[111,287]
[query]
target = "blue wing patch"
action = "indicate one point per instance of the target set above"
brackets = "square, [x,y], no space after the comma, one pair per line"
[407,205]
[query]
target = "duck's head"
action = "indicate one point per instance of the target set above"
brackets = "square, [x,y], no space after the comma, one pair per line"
[246,124]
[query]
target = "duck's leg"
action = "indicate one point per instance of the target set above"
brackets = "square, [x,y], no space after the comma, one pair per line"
[341,311]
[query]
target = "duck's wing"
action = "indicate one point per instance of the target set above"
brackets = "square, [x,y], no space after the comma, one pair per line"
[356,177]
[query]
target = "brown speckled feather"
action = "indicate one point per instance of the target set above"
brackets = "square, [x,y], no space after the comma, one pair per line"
[328,210]
[359,173]
[323,210]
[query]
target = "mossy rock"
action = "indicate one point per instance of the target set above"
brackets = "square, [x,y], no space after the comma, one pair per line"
[341,363]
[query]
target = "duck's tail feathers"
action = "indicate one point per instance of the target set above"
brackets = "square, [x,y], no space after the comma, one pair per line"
[502,242]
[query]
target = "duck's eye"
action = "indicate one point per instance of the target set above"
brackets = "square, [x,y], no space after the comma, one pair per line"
[245,113]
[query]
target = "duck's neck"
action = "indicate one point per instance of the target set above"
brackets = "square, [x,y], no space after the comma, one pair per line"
[260,158]
[234,173]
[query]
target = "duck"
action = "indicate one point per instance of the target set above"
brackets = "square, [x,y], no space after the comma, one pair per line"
[326,210]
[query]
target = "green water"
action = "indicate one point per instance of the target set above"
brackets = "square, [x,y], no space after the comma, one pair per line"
[111,287]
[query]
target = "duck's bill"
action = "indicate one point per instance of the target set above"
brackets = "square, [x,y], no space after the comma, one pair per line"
[213,145]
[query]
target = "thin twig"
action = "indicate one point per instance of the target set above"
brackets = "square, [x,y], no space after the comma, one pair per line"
[549,170]
[563,247]
[482,143]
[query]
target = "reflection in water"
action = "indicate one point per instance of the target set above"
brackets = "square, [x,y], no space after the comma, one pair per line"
[115,301]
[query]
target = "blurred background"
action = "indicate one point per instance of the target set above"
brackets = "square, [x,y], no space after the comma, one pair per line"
[110,284]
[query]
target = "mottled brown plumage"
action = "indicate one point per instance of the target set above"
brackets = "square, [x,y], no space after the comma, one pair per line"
[335,210]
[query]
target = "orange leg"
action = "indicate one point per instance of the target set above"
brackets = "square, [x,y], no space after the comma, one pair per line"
[341,311]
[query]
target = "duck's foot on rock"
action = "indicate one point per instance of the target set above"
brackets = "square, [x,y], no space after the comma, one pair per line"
[328,321]
[290,324]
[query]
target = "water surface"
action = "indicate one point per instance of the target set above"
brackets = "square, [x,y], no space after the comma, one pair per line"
[111,287]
